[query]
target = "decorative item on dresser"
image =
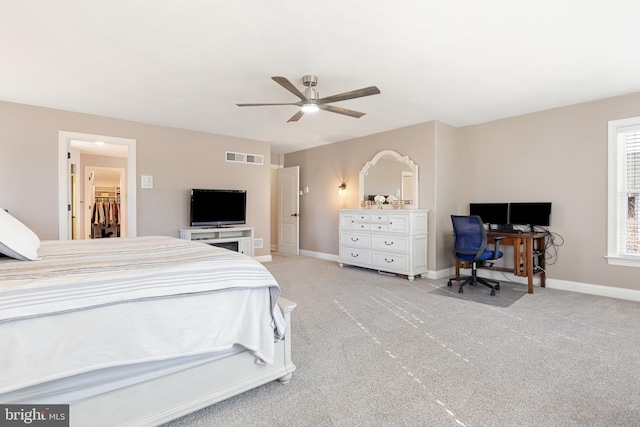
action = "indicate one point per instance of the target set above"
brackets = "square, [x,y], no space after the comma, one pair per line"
[394,241]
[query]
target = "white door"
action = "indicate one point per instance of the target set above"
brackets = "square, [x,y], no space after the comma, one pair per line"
[289,222]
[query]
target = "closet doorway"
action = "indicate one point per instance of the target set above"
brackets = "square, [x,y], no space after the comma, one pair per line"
[104,211]
[96,168]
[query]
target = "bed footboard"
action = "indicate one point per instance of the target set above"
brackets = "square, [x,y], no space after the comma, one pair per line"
[166,398]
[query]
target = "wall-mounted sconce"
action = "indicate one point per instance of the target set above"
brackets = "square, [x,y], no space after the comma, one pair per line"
[342,187]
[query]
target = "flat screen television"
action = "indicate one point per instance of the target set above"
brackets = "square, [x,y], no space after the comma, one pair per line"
[531,214]
[491,213]
[217,208]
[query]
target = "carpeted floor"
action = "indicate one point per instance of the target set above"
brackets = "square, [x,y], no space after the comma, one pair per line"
[378,350]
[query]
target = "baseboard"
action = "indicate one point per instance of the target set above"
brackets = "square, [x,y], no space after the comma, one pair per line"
[564,285]
[441,274]
[264,258]
[600,290]
[321,255]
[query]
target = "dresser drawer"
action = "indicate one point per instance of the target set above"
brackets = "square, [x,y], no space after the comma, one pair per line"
[347,221]
[379,227]
[390,243]
[362,226]
[355,240]
[399,223]
[390,260]
[384,218]
[353,255]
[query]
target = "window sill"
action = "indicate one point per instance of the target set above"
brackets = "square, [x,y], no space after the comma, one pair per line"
[623,261]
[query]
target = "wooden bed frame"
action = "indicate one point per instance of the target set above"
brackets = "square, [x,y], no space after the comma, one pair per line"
[169,397]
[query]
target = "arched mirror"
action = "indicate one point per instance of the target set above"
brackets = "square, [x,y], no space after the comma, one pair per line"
[390,173]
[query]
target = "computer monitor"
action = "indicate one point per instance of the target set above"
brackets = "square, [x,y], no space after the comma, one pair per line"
[531,214]
[491,213]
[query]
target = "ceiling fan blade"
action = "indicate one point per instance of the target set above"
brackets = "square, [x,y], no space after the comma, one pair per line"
[282,81]
[296,116]
[359,93]
[340,110]
[261,105]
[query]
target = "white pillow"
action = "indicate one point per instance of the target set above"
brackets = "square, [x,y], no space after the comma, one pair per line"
[16,239]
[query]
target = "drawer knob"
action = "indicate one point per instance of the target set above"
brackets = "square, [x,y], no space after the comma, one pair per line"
[354,255]
[389,260]
[388,243]
[354,239]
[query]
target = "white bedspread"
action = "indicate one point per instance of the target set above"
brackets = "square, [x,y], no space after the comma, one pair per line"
[89,305]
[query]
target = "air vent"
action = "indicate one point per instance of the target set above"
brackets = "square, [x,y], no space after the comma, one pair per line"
[255,159]
[235,157]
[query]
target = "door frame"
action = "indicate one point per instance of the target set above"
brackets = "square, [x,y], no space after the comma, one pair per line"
[64,190]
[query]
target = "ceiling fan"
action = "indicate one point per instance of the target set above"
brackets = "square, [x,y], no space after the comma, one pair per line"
[310,101]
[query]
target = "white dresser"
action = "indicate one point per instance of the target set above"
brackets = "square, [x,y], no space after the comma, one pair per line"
[393,241]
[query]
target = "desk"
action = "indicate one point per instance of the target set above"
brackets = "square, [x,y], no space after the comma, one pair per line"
[528,255]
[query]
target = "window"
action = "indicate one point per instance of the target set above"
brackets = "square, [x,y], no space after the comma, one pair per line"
[624,192]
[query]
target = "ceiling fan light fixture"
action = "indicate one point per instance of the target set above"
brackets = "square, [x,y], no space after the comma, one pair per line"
[310,101]
[310,107]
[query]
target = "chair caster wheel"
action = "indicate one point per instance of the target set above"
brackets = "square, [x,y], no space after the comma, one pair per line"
[493,292]
[497,287]
[449,283]
[460,290]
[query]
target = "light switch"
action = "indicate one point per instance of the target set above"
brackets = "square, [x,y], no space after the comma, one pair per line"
[146,181]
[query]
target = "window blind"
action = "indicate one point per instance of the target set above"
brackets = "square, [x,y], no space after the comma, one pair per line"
[630,243]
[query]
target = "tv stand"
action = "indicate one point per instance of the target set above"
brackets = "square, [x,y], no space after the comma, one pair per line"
[222,237]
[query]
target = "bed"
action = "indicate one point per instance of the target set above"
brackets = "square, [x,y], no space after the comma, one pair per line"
[136,331]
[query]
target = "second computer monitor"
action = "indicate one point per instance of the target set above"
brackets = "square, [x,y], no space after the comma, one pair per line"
[530,214]
[491,213]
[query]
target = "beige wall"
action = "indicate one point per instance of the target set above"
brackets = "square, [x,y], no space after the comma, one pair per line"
[322,169]
[177,159]
[452,193]
[558,155]
[275,199]
[277,161]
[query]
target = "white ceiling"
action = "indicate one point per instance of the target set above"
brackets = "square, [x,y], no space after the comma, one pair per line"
[187,63]
[100,148]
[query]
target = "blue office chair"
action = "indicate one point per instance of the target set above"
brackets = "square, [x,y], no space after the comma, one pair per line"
[470,245]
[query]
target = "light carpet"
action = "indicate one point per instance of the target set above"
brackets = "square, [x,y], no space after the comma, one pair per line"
[379,350]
